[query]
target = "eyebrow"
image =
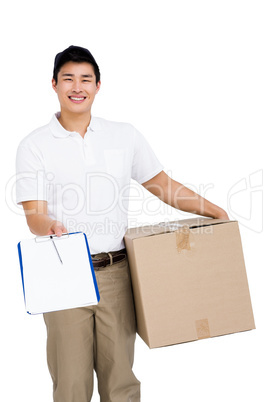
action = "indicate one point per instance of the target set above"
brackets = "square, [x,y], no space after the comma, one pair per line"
[83,75]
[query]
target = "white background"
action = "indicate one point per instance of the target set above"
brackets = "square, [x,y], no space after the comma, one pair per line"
[192,77]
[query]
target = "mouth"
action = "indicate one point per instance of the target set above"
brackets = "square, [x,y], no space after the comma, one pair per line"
[77,99]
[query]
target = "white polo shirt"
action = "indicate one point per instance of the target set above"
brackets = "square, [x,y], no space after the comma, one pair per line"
[85,181]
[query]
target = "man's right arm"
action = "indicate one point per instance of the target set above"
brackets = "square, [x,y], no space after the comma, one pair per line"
[38,220]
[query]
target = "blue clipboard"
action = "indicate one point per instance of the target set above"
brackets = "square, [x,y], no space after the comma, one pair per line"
[57,273]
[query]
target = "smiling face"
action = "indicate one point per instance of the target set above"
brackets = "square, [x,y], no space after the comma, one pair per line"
[76,87]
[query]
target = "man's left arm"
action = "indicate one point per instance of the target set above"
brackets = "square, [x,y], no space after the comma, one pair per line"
[178,196]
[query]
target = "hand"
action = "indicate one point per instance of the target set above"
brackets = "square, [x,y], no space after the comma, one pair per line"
[57,228]
[221,214]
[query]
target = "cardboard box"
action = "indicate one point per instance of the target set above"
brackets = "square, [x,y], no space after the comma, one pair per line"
[189,280]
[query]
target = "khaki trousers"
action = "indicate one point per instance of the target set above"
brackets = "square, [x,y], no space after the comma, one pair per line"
[99,338]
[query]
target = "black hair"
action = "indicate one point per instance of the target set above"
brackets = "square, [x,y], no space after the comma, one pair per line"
[76,54]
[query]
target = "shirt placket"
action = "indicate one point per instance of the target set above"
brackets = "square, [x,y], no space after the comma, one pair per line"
[88,154]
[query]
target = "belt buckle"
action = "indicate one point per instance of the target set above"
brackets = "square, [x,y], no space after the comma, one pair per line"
[94,259]
[105,262]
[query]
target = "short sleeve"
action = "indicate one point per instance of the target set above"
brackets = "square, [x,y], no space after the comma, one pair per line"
[145,163]
[30,175]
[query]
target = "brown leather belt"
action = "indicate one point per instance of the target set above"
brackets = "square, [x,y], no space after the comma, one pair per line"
[101,260]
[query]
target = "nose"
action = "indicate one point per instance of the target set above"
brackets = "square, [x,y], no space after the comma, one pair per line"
[76,86]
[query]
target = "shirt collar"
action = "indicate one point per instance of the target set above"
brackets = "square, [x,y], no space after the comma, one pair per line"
[59,131]
[94,124]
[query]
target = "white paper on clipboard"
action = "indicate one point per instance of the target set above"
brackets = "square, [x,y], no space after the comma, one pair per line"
[51,283]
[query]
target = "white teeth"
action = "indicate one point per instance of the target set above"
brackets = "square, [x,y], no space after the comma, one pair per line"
[77,99]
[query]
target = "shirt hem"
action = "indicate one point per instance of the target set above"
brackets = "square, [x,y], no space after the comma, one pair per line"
[150,176]
[29,198]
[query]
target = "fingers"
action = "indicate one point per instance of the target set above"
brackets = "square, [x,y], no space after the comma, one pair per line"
[58,229]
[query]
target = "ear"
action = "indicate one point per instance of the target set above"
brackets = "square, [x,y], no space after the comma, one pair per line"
[98,87]
[54,85]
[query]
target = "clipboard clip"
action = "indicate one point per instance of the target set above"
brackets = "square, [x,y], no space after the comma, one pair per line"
[51,237]
[39,239]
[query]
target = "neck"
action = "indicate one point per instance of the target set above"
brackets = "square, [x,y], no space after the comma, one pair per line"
[75,122]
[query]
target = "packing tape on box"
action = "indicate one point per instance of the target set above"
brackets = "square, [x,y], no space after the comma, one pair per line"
[202,329]
[170,226]
[183,238]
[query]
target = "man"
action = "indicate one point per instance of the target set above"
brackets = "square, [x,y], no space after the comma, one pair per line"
[75,173]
